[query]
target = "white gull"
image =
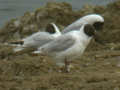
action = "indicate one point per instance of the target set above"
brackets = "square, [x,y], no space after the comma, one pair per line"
[68,46]
[38,39]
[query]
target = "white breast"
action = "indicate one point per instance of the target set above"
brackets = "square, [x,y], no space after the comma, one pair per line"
[75,51]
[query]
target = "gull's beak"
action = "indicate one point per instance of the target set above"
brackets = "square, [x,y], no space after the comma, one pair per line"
[97,37]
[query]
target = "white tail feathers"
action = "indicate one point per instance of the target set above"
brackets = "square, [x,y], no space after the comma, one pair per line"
[36,52]
[14,43]
[9,44]
[19,45]
[17,49]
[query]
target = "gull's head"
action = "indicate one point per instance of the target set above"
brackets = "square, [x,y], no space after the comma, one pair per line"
[90,31]
[50,28]
[94,19]
[53,29]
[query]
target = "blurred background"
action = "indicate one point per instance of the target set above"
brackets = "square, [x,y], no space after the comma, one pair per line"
[15,8]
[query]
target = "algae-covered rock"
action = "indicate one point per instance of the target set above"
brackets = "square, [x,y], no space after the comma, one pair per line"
[61,14]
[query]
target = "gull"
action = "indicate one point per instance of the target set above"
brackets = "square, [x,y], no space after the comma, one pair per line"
[68,46]
[93,19]
[38,39]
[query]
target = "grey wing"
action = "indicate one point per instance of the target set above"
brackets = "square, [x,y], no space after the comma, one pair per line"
[38,39]
[74,26]
[43,38]
[60,44]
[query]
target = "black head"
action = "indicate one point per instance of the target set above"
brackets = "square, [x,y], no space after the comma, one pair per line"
[98,25]
[89,30]
[50,28]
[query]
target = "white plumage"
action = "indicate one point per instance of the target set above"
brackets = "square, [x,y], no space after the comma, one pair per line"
[38,39]
[68,46]
[88,19]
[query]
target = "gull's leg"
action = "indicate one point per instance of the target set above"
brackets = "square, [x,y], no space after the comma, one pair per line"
[64,66]
[67,63]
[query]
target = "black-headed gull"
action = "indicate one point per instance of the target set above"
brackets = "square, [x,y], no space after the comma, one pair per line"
[68,46]
[38,39]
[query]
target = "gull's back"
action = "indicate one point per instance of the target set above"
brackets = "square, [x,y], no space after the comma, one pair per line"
[40,38]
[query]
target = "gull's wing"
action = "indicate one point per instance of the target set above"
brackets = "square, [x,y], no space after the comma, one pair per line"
[42,36]
[38,39]
[70,28]
[56,28]
[60,44]
[74,26]
[52,28]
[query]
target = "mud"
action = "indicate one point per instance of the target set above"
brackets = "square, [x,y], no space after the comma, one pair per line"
[97,69]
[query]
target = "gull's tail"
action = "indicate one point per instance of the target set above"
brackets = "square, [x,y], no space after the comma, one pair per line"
[37,52]
[18,44]
[17,49]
